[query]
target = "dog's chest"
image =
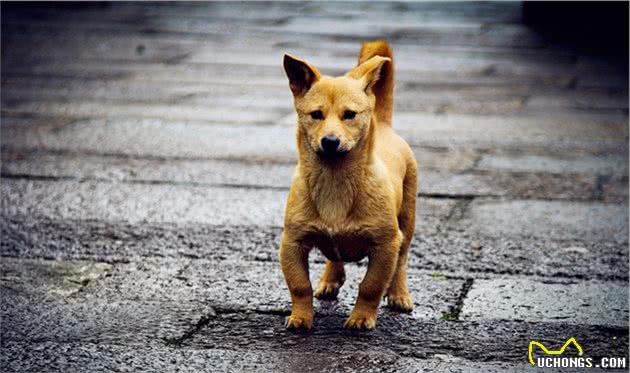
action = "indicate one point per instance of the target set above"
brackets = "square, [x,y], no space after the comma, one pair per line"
[345,247]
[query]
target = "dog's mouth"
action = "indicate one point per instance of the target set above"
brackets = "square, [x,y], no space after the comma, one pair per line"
[332,157]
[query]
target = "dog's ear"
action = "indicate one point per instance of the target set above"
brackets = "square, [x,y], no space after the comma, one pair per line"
[301,75]
[369,72]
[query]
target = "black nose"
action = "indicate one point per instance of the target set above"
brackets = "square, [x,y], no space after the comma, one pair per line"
[330,143]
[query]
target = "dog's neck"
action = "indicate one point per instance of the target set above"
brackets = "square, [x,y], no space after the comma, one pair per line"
[335,186]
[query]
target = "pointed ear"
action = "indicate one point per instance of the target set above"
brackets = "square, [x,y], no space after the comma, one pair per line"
[301,75]
[369,72]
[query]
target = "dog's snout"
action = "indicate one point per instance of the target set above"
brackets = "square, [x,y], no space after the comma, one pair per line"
[330,143]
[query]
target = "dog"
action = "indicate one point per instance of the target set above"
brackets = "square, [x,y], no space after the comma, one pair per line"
[353,193]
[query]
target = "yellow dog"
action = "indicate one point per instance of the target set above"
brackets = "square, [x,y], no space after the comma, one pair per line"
[353,193]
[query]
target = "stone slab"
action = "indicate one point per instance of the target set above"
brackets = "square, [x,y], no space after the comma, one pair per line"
[434,176]
[162,111]
[442,253]
[545,130]
[141,203]
[54,357]
[253,286]
[612,164]
[591,221]
[200,326]
[192,137]
[584,303]
[147,202]
[513,185]
[615,189]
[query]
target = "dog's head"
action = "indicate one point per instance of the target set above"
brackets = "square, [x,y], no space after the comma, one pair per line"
[334,113]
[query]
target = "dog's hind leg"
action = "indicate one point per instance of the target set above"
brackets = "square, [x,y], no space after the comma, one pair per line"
[398,296]
[332,279]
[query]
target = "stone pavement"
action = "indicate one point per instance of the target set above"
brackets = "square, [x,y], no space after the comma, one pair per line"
[147,151]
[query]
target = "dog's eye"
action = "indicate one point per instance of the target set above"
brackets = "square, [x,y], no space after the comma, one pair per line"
[349,114]
[317,115]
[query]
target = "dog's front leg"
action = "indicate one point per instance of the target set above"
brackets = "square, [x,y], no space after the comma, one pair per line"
[294,262]
[381,268]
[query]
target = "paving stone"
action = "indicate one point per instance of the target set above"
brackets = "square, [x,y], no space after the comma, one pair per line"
[200,326]
[433,177]
[159,138]
[516,185]
[269,45]
[115,241]
[181,112]
[39,280]
[204,170]
[603,165]
[454,159]
[254,75]
[227,284]
[135,140]
[209,172]
[554,132]
[45,357]
[119,323]
[269,101]
[86,46]
[326,59]
[462,33]
[592,221]
[486,345]
[142,203]
[479,257]
[583,100]
[615,189]
[197,139]
[432,213]
[271,96]
[247,13]
[442,253]
[585,303]
[181,140]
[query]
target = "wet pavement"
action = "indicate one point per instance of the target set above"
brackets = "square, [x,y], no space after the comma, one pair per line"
[147,151]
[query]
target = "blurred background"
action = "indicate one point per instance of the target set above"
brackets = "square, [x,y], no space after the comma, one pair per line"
[147,150]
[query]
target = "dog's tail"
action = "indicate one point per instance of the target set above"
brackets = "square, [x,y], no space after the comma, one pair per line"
[384,87]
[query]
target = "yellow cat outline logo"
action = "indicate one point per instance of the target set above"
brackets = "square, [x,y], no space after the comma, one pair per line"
[552,352]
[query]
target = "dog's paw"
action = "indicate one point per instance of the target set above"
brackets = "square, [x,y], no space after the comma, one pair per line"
[402,303]
[327,290]
[360,321]
[298,322]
